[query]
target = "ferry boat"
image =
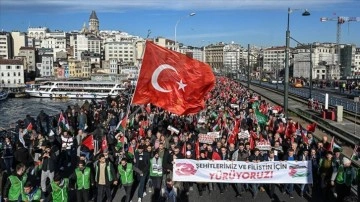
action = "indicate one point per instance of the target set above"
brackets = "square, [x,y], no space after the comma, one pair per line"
[75,89]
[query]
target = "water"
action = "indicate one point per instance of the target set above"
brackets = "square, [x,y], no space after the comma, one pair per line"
[13,109]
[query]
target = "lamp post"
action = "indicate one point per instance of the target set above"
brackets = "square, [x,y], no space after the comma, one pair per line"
[248,73]
[189,15]
[356,100]
[286,79]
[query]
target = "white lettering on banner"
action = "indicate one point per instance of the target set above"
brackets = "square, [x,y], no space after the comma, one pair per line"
[214,134]
[244,134]
[234,106]
[206,138]
[297,172]
[265,146]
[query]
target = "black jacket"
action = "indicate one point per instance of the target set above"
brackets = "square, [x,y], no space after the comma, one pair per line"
[146,159]
[22,155]
[48,164]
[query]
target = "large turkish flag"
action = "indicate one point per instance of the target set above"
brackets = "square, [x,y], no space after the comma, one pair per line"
[172,81]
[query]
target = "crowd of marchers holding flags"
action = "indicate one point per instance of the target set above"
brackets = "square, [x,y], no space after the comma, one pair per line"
[90,152]
[138,149]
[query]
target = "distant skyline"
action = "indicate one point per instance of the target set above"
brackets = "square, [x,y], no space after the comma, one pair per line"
[257,22]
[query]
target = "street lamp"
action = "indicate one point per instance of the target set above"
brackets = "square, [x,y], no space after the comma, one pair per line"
[248,73]
[356,100]
[189,15]
[286,79]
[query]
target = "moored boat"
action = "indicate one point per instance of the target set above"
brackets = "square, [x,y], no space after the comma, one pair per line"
[76,89]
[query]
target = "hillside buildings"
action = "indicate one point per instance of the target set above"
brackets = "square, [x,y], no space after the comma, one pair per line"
[94,53]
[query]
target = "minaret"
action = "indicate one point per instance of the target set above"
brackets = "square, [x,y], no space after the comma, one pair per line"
[84,29]
[94,23]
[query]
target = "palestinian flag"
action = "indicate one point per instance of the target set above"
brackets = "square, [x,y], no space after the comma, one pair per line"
[216,128]
[28,128]
[63,123]
[122,124]
[88,142]
[130,152]
[121,143]
[104,145]
[355,155]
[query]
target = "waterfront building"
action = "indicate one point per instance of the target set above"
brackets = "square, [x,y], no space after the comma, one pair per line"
[29,57]
[193,52]
[324,60]
[114,66]
[214,56]
[5,45]
[57,41]
[347,59]
[274,59]
[122,51]
[18,40]
[80,45]
[36,35]
[232,57]
[166,43]
[356,67]
[45,67]
[12,71]
[75,68]
[85,68]
[94,44]
[139,51]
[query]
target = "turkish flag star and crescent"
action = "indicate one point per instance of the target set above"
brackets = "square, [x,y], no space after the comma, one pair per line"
[173,81]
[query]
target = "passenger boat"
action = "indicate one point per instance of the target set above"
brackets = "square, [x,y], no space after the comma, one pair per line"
[75,89]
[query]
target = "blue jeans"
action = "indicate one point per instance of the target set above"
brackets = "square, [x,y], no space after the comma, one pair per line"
[141,186]
[304,187]
[255,188]
[289,188]
[8,163]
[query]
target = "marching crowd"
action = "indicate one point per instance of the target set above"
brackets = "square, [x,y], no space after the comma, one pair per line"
[96,149]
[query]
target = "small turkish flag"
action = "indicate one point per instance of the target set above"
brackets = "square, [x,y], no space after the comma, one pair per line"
[173,81]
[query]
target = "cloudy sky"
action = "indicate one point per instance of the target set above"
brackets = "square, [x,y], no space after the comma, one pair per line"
[256,22]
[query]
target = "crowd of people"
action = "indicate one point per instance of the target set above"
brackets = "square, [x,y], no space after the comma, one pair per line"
[98,148]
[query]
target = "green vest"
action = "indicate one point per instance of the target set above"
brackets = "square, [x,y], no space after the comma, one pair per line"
[108,170]
[35,197]
[344,175]
[358,176]
[16,187]
[126,176]
[59,194]
[82,178]
[156,168]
